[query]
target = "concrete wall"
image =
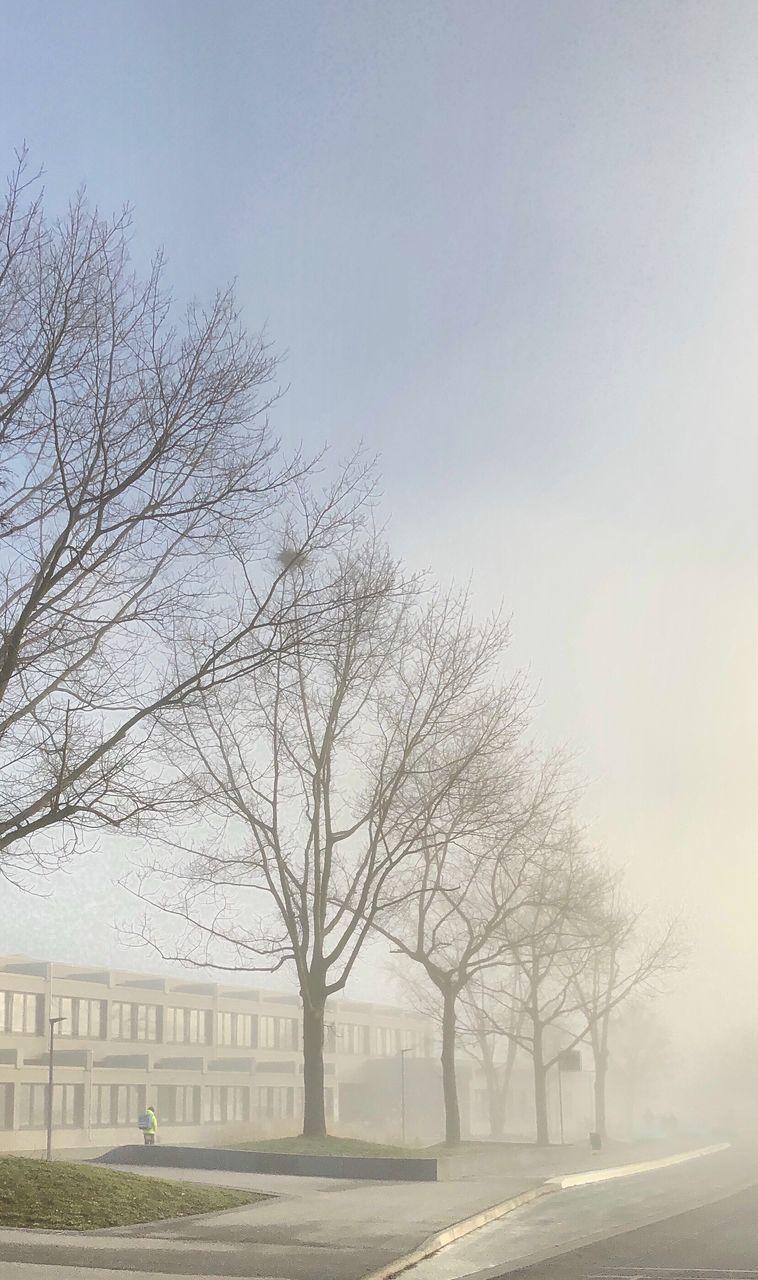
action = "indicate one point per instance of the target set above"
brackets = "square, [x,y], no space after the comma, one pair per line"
[381,1168]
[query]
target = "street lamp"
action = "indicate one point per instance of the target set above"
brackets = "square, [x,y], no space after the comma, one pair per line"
[402,1093]
[53,1024]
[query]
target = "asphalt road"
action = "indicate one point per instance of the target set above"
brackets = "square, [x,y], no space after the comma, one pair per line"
[547,1238]
[716,1242]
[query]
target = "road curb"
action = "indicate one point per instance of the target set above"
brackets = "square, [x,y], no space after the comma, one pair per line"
[457,1230]
[565,1182]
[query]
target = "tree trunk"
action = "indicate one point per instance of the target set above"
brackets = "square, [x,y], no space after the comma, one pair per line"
[540,1091]
[314,1113]
[449,1082]
[600,1034]
[601,1074]
[505,1088]
[495,1100]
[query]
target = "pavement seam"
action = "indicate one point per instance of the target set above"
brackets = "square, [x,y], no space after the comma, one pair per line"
[565,1182]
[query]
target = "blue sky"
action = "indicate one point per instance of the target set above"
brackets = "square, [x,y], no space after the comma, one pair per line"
[511,246]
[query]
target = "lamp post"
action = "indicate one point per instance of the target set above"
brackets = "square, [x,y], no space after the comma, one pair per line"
[402,1093]
[560,1099]
[53,1024]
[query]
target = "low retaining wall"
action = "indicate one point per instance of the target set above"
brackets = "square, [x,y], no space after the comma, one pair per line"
[229,1160]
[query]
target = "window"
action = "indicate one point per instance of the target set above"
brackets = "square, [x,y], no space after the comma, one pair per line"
[63,1007]
[187,1026]
[147,1021]
[236,1029]
[134,1021]
[91,1023]
[352,1038]
[67,1106]
[21,1012]
[116,1104]
[121,1021]
[237,1103]
[127,1103]
[213,1112]
[288,1032]
[31,1106]
[413,1042]
[100,1111]
[277,1033]
[6,1106]
[178,1104]
[274,1102]
[385,1041]
[330,1037]
[222,1104]
[83,1018]
[186,1109]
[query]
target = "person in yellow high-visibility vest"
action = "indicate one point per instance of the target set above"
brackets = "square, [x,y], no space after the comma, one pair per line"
[151,1128]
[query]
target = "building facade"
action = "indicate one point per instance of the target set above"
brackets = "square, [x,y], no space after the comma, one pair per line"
[218,1062]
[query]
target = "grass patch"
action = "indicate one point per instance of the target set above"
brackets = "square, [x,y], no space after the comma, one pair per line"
[78,1198]
[299,1146]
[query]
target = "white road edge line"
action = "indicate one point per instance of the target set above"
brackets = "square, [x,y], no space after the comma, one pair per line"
[565,1181]
[442,1239]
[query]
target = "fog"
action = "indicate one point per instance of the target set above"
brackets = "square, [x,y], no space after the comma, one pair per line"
[510,247]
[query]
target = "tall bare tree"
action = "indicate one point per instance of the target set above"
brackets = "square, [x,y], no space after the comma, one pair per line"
[312,769]
[623,962]
[139,482]
[531,998]
[643,1059]
[494,1051]
[473,872]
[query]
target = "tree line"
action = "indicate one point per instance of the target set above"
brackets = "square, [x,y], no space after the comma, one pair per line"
[206,642]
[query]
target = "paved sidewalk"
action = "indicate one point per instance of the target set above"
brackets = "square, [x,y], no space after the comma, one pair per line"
[311,1229]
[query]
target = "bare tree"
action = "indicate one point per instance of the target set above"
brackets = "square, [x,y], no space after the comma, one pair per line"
[494,1051]
[642,1057]
[472,872]
[139,483]
[622,963]
[531,998]
[311,769]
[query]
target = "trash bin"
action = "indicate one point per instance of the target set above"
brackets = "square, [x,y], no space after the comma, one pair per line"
[596,1142]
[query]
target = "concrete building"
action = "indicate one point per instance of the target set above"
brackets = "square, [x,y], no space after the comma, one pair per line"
[218,1062]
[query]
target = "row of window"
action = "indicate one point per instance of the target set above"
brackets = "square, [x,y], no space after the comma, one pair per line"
[21,1013]
[382,1042]
[32,1106]
[151,1023]
[114,1105]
